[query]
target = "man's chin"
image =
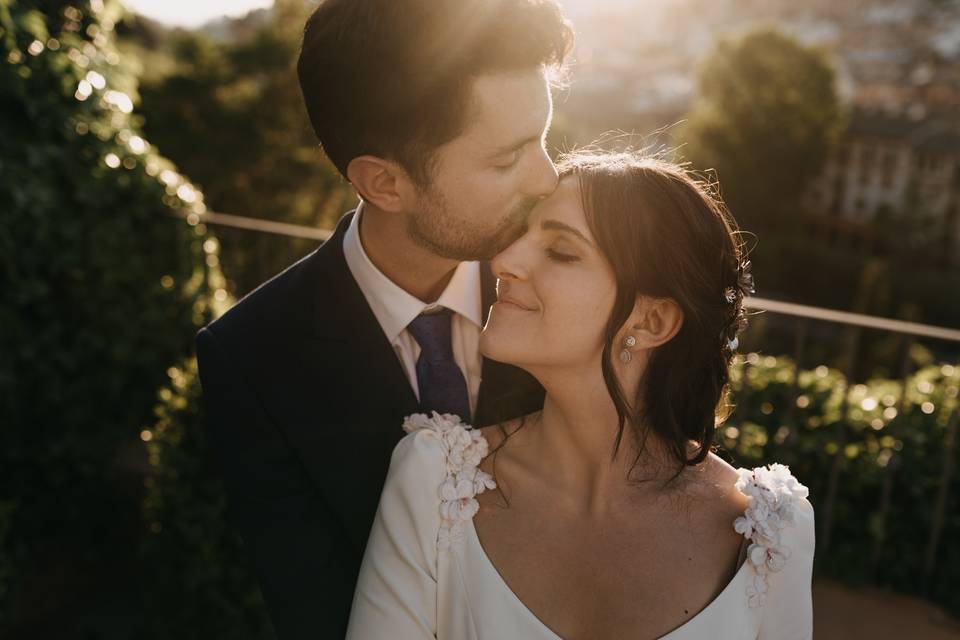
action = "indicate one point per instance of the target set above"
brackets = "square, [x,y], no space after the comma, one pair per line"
[484,251]
[506,236]
[476,245]
[509,232]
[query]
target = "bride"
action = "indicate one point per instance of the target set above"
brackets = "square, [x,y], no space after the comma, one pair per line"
[607,514]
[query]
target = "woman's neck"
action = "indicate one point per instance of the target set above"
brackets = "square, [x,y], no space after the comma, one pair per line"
[574,439]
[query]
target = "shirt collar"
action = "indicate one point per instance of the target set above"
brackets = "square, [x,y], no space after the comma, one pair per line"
[393,307]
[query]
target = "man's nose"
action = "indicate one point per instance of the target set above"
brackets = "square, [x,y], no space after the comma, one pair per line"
[544,178]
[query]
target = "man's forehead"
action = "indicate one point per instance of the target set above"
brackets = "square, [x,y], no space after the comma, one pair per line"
[509,104]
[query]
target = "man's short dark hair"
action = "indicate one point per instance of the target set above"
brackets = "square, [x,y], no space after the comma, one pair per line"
[393,78]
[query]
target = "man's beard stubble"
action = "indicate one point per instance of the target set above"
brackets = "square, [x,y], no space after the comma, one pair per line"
[434,229]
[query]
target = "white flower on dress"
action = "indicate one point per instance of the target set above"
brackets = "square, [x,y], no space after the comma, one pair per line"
[456,488]
[435,422]
[483,481]
[464,449]
[772,495]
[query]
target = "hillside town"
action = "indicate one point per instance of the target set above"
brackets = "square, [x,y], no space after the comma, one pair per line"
[898,69]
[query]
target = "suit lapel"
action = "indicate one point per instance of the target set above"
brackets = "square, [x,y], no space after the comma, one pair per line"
[351,390]
[349,339]
[347,330]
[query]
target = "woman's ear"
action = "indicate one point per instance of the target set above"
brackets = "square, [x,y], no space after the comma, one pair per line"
[382,183]
[655,321]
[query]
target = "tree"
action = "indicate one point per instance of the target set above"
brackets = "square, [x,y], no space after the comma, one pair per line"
[766,118]
[231,115]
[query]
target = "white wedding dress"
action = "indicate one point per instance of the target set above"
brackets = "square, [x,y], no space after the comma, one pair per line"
[425,574]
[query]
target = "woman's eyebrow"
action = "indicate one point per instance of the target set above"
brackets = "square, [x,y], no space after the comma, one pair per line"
[556,225]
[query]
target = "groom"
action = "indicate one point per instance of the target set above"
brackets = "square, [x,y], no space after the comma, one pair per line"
[436,112]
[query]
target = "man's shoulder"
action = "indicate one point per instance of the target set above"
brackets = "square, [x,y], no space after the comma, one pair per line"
[287,298]
[286,304]
[266,305]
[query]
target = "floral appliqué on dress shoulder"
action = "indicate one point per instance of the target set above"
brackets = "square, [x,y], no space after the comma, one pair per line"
[464,448]
[773,494]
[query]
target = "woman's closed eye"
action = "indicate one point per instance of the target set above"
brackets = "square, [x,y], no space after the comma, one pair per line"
[558,256]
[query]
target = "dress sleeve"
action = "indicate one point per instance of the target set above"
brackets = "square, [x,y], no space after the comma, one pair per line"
[788,613]
[396,594]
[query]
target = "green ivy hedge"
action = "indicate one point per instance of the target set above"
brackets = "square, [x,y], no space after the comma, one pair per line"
[101,291]
[888,431]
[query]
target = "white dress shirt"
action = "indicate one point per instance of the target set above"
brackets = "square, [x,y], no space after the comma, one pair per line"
[394,309]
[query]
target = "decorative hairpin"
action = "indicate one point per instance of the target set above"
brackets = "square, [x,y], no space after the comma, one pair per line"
[744,283]
[745,278]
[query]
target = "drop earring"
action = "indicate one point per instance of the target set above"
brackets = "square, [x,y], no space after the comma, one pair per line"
[625,355]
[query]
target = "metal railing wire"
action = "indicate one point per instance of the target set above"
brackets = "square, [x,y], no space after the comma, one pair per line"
[760,304]
[804,314]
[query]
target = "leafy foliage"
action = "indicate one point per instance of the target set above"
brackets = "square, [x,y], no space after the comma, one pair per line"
[766,117]
[101,289]
[259,157]
[887,431]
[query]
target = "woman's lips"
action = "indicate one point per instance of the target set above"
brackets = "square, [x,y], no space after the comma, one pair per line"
[510,303]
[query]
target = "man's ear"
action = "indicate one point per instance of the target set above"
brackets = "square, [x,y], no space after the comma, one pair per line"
[655,321]
[382,183]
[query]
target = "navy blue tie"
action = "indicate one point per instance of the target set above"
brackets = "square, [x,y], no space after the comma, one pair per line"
[442,386]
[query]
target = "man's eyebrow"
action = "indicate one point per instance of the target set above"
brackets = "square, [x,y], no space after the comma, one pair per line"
[556,225]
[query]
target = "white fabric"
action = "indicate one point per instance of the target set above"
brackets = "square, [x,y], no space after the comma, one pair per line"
[425,575]
[394,309]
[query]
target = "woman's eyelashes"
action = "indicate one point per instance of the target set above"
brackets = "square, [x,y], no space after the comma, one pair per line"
[557,256]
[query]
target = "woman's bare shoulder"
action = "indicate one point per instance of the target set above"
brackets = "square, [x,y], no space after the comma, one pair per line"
[496,435]
[720,482]
[506,452]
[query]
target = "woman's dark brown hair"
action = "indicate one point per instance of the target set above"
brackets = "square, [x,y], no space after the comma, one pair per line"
[667,235]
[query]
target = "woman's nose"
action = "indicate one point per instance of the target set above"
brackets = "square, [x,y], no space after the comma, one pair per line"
[509,264]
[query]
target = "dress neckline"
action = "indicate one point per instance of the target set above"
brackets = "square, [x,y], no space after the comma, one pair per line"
[772,492]
[474,538]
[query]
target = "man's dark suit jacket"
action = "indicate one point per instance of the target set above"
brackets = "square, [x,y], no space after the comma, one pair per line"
[304,400]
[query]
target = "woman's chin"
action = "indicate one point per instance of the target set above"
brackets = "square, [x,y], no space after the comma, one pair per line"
[495,346]
[509,336]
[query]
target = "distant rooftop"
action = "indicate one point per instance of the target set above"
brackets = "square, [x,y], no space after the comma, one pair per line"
[934,133]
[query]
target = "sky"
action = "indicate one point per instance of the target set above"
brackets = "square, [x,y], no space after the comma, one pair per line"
[192,13]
